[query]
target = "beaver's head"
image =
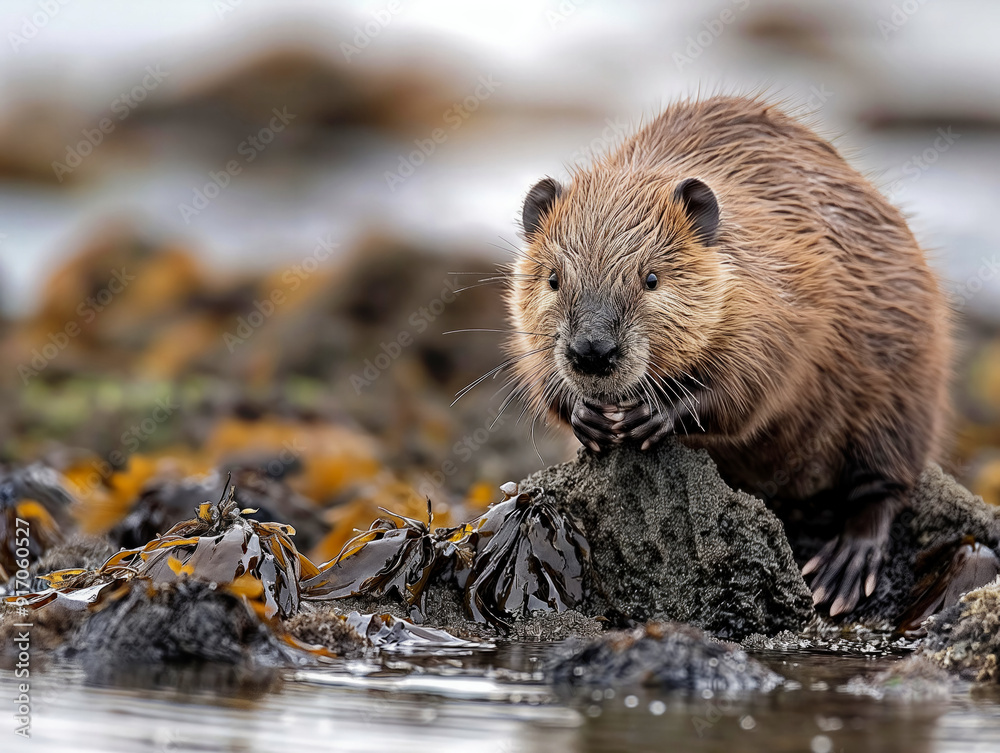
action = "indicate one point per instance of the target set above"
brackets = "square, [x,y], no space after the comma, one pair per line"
[621,289]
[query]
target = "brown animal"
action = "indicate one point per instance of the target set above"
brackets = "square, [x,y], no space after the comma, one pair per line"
[726,276]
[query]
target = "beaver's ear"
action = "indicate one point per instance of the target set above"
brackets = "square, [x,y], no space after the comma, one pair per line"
[538,203]
[701,207]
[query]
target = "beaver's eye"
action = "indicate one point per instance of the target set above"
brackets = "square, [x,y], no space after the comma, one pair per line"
[651,281]
[554,281]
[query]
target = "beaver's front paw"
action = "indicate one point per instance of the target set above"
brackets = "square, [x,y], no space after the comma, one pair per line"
[593,424]
[638,422]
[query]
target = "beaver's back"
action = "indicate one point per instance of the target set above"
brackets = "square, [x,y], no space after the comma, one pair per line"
[848,283]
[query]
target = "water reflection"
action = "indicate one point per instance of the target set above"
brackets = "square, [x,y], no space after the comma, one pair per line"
[493,702]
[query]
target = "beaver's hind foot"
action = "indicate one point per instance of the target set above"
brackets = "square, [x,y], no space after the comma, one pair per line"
[846,569]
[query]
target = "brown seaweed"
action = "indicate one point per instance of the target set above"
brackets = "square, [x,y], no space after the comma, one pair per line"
[944,574]
[385,632]
[388,559]
[529,557]
[522,556]
[254,560]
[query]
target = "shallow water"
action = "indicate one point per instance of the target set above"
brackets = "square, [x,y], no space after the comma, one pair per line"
[493,700]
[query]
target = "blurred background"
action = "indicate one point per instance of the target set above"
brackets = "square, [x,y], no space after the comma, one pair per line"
[231,231]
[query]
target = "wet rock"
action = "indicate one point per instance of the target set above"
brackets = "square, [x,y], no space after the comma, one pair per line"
[664,655]
[555,626]
[824,636]
[938,549]
[965,638]
[178,623]
[670,541]
[782,641]
[49,630]
[945,510]
[325,626]
[916,679]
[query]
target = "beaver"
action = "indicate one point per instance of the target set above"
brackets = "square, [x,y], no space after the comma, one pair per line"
[726,277]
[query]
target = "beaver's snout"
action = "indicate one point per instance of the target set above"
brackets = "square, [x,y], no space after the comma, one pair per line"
[594,357]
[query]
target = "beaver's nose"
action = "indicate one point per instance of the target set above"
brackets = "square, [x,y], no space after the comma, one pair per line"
[594,357]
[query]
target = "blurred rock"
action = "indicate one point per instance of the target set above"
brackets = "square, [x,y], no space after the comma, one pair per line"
[915,679]
[235,94]
[359,339]
[222,97]
[189,622]
[665,655]
[965,638]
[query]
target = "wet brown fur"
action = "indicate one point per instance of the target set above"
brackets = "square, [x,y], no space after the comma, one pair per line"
[814,320]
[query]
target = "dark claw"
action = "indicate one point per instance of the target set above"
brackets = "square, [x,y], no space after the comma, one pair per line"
[649,430]
[592,427]
[846,570]
[631,419]
[602,425]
